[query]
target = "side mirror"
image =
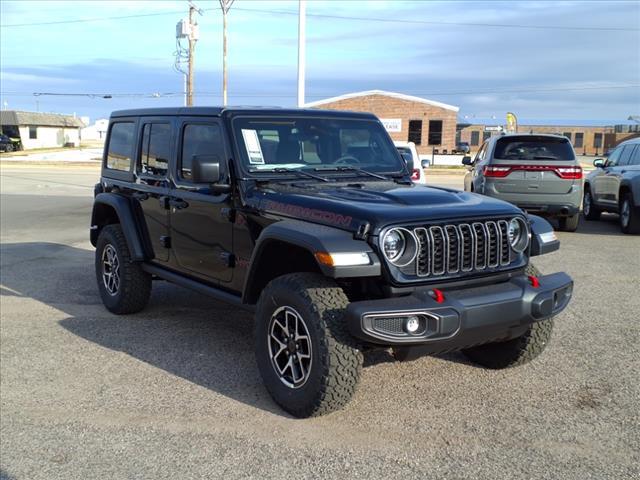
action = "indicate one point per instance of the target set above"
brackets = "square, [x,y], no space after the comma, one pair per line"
[599,163]
[425,163]
[466,160]
[205,169]
[408,159]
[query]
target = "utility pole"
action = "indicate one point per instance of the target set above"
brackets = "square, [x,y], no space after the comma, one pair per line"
[302,10]
[225,5]
[189,30]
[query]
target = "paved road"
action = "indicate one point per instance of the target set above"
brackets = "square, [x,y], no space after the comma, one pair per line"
[174,392]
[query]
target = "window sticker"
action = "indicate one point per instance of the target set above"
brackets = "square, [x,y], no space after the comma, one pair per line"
[254,150]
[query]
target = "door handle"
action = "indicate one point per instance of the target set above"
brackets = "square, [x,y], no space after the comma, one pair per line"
[178,203]
[142,196]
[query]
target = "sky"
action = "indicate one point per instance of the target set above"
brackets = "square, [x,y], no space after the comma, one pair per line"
[549,62]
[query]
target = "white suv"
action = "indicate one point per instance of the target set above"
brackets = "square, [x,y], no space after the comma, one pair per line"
[417,176]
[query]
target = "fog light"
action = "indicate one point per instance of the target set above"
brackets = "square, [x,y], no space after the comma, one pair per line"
[412,324]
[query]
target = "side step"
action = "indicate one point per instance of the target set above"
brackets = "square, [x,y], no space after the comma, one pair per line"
[199,287]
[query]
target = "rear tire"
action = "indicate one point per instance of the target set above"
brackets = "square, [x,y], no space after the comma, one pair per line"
[517,351]
[629,216]
[124,287]
[589,210]
[569,224]
[309,362]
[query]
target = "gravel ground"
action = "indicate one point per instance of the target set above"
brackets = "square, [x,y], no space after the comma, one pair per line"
[174,392]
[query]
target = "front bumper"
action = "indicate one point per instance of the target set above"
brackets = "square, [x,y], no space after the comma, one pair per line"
[464,317]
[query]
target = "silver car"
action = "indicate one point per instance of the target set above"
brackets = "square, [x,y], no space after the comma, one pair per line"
[614,186]
[538,173]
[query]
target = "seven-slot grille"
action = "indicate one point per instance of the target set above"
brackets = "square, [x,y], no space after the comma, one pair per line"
[465,247]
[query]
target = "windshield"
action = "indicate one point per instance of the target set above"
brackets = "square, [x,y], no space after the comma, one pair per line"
[280,143]
[532,147]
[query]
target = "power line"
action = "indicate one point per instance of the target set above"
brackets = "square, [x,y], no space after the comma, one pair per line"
[341,17]
[291,95]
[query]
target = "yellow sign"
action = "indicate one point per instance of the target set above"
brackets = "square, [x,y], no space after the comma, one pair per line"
[512,123]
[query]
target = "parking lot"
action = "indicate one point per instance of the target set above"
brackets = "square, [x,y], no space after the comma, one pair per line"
[174,392]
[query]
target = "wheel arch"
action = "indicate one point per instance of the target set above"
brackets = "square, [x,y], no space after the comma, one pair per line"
[110,208]
[291,246]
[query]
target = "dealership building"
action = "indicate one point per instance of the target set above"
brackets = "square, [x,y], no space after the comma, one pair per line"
[586,140]
[429,124]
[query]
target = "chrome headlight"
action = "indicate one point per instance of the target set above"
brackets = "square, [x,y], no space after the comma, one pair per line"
[399,246]
[518,234]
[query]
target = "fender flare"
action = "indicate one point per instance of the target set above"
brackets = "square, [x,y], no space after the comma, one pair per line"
[543,238]
[123,208]
[315,238]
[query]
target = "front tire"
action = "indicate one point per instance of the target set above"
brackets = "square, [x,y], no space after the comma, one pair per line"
[309,362]
[517,351]
[629,217]
[124,287]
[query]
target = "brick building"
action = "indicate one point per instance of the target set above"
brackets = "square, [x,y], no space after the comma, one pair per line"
[429,124]
[585,140]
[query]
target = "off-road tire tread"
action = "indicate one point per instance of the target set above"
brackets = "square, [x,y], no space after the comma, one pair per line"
[135,283]
[517,351]
[341,361]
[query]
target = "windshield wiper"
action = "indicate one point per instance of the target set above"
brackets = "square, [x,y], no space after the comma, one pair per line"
[352,169]
[299,173]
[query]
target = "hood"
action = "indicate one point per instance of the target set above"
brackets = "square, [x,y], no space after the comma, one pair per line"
[349,205]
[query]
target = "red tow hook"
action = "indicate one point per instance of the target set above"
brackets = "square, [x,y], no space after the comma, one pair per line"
[437,295]
[535,283]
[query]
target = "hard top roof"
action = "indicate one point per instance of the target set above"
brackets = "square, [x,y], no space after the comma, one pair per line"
[231,111]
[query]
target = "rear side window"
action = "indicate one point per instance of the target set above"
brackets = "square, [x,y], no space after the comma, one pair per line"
[532,147]
[199,139]
[120,146]
[156,149]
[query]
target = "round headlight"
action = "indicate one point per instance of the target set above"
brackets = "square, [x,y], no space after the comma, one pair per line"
[518,235]
[399,246]
[393,244]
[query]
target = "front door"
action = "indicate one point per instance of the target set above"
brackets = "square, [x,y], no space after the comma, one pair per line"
[152,188]
[201,228]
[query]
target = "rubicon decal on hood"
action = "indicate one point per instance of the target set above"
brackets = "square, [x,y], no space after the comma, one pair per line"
[308,213]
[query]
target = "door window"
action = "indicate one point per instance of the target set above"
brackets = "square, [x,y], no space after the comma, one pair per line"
[156,149]
[635,156]
[625,156]
[199,139]
[612,161]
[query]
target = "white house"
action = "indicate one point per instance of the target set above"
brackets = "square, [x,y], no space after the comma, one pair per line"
[97,131]
[41,130]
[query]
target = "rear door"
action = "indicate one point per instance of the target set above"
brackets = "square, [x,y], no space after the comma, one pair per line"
[201,219]
[533,164]
[152,184]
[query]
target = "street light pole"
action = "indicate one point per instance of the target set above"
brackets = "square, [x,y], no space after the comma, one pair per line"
[302,7]
[225,5]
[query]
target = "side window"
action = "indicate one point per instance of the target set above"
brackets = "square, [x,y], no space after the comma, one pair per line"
[635,156]
[613,158]
[481,153]
[120,146]
[625,156]
[199,139]
[156,149]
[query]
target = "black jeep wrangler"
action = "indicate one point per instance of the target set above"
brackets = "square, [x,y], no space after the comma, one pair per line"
[310,219]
